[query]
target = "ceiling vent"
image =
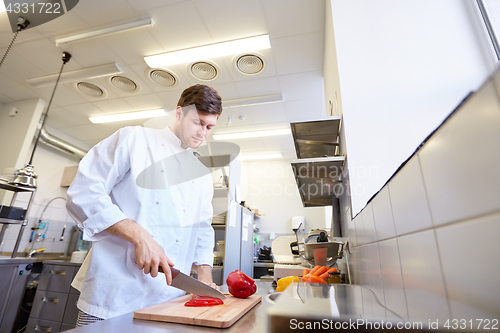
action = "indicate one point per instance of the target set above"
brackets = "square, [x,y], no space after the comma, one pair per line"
[124,84]
[90,89]
[204,71]
[250,64]
[163,78]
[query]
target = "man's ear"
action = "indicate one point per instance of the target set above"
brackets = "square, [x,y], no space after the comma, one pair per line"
[178,113]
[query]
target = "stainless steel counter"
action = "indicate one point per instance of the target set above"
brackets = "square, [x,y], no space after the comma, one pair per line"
[253,321]
[17,260]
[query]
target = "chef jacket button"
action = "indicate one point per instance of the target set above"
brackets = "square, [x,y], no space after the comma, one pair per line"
[157,202]
[177,241]
[162,170]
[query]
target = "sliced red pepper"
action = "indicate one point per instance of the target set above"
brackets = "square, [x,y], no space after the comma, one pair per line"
[204,301]
[240,285]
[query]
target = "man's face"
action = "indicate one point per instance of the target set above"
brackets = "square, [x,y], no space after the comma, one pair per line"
[194,127]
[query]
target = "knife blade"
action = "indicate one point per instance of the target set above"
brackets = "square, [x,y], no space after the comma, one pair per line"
[193,286]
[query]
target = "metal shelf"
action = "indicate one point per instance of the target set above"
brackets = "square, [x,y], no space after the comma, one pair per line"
[6,222]
[318,169]
[12,221]
[9,187]
[318,138]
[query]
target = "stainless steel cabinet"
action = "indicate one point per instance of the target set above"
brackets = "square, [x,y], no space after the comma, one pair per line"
[54,308]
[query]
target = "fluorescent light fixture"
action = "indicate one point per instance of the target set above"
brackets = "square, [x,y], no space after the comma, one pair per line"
[253,134]
[209,51]
[259,157]
[78,75]
[128,116]
[249,101]
[2,7]
[106,31]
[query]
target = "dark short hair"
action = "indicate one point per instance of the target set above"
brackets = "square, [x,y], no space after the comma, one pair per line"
[205,98]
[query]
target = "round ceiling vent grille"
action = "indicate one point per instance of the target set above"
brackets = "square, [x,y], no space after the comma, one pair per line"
[204,71]
[250,64]
[90,89]
[124,83]
[163,78]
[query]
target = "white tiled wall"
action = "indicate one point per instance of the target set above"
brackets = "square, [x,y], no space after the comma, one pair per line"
[461,163]
[472,246]
[369,234]
[409,201]
[428,243]
[382,213]
[423,281]
[390,264]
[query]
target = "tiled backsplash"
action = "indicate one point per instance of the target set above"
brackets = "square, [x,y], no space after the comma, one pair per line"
[56,216]
[427,243]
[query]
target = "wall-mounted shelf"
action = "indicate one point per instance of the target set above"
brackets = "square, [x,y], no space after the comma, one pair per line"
[318,138]
[318,169]
[318,179]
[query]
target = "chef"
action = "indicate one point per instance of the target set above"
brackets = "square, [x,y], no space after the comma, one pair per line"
[135,199]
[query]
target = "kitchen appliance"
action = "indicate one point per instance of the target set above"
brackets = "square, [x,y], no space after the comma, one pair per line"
[193,286]
[317,248]
[264,254]
[13,276]
[221,316]
[287,263]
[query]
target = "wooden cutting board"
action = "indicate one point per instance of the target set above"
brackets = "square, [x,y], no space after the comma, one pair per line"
[220,316]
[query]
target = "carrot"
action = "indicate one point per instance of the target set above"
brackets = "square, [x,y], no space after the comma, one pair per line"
[321,270]
[333,269]
[315,269]
[324,275]
[305,272]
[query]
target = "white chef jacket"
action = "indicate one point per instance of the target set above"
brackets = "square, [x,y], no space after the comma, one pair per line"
[111,186]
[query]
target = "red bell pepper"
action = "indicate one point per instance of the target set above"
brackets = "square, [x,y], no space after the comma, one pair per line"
[240,285]
[203,301]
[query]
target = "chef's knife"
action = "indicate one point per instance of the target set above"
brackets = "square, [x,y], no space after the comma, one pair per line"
[193,286]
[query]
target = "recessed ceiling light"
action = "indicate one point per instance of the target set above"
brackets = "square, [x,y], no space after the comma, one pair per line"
[253,134]
[106,31]
[78,75]
[127,116]
[259,157]
[209,51]
[249,101]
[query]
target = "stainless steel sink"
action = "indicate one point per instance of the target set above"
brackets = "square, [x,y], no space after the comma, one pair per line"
[271,298]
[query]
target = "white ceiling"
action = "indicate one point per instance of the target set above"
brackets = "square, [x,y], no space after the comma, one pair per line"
[293,64]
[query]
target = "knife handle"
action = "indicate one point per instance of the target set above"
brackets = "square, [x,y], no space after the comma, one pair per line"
[174,271]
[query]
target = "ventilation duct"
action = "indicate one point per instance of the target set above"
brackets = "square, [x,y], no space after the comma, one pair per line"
[61,145]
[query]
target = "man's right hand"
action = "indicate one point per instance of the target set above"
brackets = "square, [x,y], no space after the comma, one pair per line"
[148,253]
